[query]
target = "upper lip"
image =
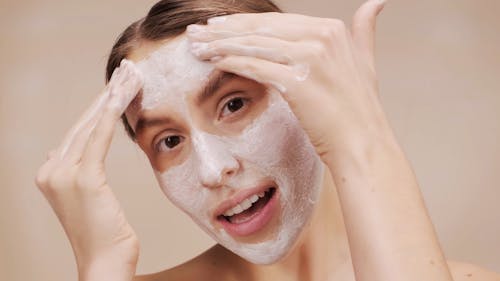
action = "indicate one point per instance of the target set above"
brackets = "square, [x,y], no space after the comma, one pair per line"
[239,197]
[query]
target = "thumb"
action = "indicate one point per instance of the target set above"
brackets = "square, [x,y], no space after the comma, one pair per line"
[363,27]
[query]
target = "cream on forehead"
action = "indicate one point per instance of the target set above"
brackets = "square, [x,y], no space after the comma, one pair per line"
[171,71]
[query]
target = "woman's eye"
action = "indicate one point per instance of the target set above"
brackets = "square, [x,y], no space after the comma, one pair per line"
[233,106]
[169,143]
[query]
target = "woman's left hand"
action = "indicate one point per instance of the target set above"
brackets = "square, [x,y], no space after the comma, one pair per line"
[324,70]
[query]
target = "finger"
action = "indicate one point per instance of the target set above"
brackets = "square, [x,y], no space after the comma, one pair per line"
[267,48]
[51,154]
[83,121]
[89,116]
[292,27]
[278,76]
[74,149]
[121,94]
[76,145]
[363,27]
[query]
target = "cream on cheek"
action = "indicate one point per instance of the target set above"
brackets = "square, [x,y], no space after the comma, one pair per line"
[272,147]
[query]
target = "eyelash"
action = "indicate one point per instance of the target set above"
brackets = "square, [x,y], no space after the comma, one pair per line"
[160,146]
[178,139]
[244,102]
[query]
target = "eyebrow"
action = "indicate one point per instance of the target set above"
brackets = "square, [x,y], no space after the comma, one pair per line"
[214,83]
[144,123]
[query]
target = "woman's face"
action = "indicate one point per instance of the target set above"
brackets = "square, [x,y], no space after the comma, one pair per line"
[226,151]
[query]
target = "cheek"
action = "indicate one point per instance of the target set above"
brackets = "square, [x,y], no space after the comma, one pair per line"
[273,140]
[181,186]
[281,149]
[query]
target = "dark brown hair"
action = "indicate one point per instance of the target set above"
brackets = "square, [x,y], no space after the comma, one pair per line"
[169,18]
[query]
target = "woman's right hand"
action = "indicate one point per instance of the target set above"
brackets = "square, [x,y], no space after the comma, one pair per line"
[74,182]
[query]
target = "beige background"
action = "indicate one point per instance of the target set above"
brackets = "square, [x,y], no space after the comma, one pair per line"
[439,73]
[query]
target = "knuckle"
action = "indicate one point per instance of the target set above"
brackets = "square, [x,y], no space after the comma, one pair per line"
[51,154]
[248,40]
[316,51]
[57,180]
[112,107]
[215,48]
[82,179]
[324,33]
[272,15]
[96,131]
[88,178]
[331,28]
[112,103]
[319,49]
[336,25]
[249,66]
[41,180]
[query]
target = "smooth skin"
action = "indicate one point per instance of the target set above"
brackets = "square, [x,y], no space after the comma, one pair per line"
[371,222]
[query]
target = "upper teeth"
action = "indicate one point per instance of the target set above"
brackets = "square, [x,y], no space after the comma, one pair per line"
[244,205]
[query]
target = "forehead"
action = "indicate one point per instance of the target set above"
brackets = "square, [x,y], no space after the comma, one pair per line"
[170,73]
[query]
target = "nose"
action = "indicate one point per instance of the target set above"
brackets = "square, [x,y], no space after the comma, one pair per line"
[216,162]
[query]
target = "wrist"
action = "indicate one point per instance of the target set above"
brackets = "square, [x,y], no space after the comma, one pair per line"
[113,267]
[113,271]
[362,149]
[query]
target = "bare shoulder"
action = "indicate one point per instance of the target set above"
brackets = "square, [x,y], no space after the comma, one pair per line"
[462,271]
[208,266]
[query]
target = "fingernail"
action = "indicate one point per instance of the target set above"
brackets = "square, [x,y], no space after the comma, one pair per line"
[115,74]
[195,28]
[217,20]
[216,59]
[119,70]
[198,47]
[123,70]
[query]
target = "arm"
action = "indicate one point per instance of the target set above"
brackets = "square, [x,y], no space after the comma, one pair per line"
[73,180]
[390,233]
[326,73]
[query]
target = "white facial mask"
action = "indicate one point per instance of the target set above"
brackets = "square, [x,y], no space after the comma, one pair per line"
[272,147]
[171,71]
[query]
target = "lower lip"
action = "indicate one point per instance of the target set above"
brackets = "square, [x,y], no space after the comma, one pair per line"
[256,223]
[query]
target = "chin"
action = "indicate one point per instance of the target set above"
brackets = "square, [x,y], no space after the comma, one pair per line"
[266,252]
[285,230]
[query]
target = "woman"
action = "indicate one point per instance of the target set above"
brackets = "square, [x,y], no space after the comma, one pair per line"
[267,130]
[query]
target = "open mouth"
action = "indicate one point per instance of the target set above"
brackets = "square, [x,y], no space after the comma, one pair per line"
[248,208]
[249,215]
